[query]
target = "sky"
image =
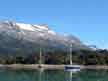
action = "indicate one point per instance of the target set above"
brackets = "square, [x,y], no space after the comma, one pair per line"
[85,19]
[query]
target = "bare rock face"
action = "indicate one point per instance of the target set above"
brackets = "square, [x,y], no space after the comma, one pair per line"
[28,38]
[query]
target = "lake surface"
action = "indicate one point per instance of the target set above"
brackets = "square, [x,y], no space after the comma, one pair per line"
[90,75]
[52,75]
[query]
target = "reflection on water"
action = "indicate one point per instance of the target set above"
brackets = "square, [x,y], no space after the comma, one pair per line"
[68,76]
[91,75]
[32,75]
[52,75]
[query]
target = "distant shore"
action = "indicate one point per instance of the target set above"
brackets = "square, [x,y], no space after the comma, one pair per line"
[95,67]
[45,66]
[32,66]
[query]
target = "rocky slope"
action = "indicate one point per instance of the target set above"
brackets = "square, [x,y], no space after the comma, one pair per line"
[27,38]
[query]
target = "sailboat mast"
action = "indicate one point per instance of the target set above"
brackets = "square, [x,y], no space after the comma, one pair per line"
[40,56]
[71,54]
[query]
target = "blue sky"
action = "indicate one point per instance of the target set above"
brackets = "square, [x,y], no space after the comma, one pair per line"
[86,19]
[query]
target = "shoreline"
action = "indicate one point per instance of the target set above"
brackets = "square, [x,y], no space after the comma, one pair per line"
[32,66]
[95,67]
[46,66]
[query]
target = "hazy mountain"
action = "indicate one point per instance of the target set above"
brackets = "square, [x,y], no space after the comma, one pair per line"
[27,38]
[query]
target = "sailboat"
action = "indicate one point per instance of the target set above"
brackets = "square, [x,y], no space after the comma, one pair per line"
[71,67]
[40,59]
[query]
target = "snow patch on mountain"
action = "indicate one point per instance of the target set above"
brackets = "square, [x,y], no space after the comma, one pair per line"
[25,26]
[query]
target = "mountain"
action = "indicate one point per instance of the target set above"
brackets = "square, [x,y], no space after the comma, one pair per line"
[28,38]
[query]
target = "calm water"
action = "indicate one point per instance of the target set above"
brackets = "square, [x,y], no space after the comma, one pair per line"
[90,75]
[52,75]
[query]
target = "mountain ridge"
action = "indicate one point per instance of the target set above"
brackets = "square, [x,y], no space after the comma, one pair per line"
[18,35]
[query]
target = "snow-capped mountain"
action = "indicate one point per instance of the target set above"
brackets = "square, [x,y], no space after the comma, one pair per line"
[27,37]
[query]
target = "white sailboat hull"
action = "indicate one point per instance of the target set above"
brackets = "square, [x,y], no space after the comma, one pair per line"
[72,67]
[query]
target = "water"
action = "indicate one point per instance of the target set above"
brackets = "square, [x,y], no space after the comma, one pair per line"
[53,75]
[32,75]
[90,75]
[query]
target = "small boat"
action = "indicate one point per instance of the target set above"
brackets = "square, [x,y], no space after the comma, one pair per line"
[72,67]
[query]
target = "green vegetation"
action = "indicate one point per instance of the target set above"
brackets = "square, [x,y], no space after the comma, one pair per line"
[83,57]
[47,58]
